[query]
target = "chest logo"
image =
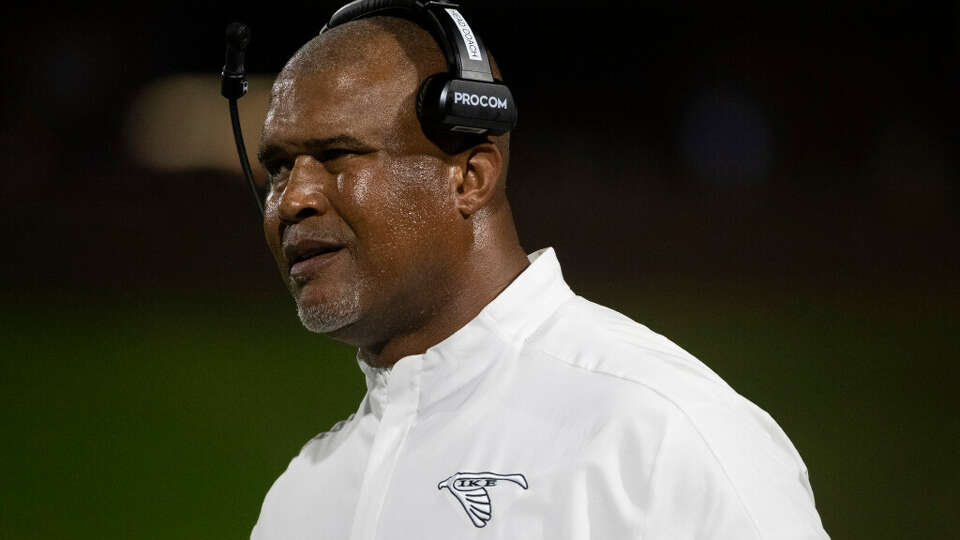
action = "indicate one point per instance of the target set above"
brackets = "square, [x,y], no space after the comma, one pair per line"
[470,490]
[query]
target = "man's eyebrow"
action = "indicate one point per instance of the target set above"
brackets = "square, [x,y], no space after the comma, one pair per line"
[269,151]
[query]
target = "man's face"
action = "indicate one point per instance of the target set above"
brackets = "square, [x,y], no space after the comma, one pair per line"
[360,213]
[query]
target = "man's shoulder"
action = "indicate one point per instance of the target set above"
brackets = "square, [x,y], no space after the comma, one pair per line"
[647,387]
[597,341]
[317,448]
[638,376]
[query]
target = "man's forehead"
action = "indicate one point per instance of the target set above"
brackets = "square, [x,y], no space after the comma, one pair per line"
[363,97]
[332,90]
[347,58]
[358,79]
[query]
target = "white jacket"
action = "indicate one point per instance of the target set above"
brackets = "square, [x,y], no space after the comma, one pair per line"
[546,417]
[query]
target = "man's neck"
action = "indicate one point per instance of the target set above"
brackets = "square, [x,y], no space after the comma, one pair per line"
[454,311]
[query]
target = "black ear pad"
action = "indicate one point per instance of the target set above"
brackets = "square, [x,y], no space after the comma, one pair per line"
[428,98]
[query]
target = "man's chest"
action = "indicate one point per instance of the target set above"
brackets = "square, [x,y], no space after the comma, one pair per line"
[489,474]
[491,463]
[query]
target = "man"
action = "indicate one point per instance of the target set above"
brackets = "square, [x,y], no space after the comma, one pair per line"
[499,403]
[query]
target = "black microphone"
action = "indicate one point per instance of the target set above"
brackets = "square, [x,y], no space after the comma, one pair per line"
[233,78]
[233,85]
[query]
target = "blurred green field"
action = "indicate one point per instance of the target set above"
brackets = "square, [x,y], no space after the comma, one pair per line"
[166,416]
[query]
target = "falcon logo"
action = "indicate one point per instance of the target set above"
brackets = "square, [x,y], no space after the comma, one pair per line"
[470,490]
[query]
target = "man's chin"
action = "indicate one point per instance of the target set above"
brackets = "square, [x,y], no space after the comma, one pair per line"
[328,315]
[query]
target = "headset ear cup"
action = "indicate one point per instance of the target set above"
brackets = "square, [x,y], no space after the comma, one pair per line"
[428,99]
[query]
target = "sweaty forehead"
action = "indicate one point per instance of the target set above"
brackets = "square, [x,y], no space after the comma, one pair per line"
[362,75]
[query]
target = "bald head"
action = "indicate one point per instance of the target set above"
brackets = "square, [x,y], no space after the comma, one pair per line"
[346,44]
[403,44]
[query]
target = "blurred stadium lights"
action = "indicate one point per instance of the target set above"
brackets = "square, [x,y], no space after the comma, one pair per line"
[182,122]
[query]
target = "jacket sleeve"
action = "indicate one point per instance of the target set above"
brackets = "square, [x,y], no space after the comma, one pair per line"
[727,471]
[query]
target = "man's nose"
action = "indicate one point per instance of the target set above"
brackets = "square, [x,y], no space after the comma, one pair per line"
[304,194]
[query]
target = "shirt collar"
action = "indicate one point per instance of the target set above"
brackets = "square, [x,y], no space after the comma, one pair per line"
[532,297]
[500,328]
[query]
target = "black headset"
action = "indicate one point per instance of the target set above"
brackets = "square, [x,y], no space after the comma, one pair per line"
[465,99]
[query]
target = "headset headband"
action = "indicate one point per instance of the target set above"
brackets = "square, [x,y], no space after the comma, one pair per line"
[466,56]
[465,99]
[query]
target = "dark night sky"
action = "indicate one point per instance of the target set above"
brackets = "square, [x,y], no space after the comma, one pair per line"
[812,140]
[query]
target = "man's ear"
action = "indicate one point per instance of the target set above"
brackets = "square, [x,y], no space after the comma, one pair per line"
[480,179]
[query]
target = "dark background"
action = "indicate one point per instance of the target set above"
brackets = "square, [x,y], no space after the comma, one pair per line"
[774,187]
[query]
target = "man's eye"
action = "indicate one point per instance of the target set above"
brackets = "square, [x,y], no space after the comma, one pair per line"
[335,153]
[276,166]
[277,172]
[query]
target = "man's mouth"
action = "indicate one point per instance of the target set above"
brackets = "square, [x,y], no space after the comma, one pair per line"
[307,257]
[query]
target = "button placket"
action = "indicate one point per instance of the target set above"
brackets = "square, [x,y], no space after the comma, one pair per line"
[400,405]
